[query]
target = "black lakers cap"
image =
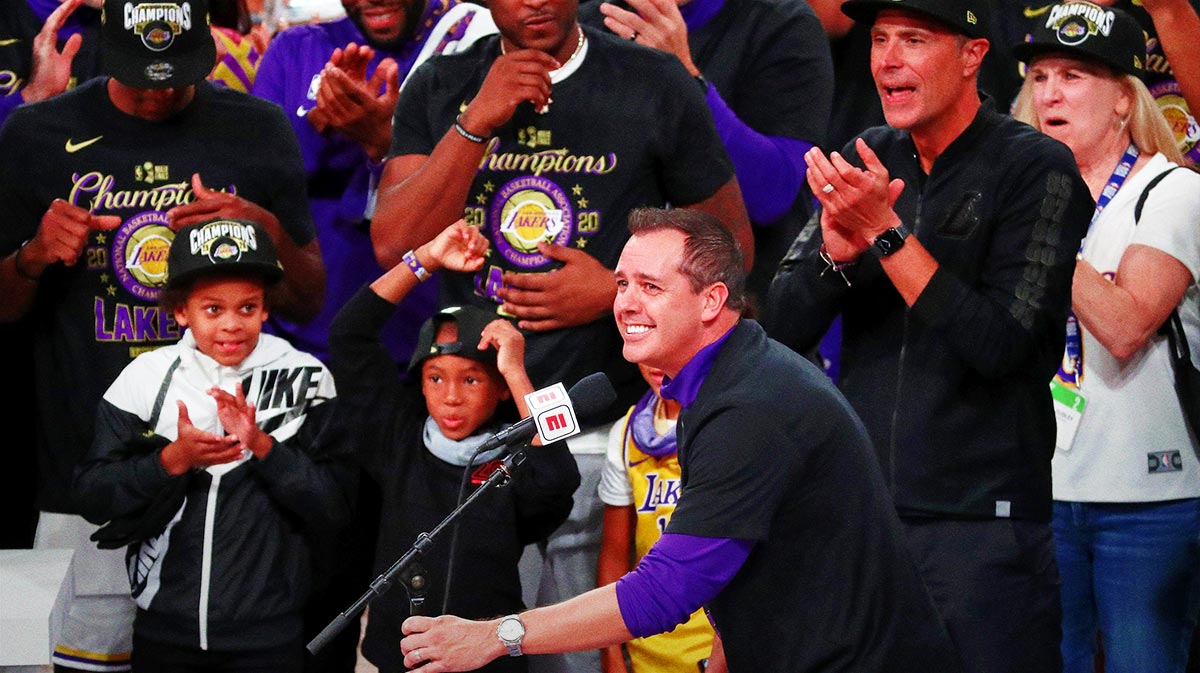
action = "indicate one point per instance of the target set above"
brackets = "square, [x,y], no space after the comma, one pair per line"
[470,320]
[228,246]
[156,45]
[1103,34]
[968,17]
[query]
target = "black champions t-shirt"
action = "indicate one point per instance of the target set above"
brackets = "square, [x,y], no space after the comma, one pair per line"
[628,129]
[769,60]
[93,318]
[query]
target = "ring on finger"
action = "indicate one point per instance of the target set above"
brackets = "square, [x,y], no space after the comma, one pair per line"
[633,36]
[417,654]
[828,188]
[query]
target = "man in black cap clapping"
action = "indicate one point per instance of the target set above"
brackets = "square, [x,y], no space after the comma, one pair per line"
[946,240]
[95,181]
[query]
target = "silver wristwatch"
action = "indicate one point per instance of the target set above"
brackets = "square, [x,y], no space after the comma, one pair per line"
[511,631]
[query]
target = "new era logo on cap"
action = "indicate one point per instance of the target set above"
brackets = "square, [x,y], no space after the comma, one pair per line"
[968,17]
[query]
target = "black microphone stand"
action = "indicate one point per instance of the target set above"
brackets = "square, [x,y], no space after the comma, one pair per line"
[499,477]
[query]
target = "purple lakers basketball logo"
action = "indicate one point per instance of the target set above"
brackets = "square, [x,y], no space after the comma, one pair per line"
[139,254]
[525,212]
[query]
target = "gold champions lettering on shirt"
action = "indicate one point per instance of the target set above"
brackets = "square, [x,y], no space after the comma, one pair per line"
[547,161]
[97,189]
[10,83]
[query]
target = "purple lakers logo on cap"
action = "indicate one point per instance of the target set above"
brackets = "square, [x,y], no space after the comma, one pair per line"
[224,250]
[525,212]
[1073,31]
[139,254]
[158,23]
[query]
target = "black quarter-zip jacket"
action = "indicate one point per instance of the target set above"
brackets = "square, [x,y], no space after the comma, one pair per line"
[954,391]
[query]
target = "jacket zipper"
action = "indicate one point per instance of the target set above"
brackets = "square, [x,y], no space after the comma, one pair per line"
[900,373]
[210,523]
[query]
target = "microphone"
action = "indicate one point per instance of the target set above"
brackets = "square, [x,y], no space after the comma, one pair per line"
[552,417]
[589,397]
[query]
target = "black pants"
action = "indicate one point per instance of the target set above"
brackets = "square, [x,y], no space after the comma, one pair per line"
[154,657]
[996,585]
[342,573]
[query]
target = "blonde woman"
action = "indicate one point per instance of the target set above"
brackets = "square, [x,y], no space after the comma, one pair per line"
[1126,478]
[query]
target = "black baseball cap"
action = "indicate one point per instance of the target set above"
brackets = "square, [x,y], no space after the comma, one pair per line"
[1103,34]
[156,45]
[968,17]
[470,320]
[224,246]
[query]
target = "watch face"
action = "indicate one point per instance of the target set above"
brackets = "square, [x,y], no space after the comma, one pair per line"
[511,629]
[890,241]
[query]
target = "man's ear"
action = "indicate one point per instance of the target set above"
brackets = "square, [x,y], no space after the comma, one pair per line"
[715,297]
[973,52]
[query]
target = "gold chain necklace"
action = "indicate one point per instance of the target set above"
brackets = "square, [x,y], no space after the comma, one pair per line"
[578,47]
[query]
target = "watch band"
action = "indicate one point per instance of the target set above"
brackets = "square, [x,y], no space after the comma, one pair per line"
[891,240]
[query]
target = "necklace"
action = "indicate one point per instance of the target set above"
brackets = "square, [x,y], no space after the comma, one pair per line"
[563,71]
[578,47]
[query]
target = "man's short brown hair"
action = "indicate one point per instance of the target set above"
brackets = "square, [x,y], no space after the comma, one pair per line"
[710,252]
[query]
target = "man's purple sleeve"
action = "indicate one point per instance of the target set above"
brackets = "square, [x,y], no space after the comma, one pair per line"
[268,79]
[770,169]
[679,574]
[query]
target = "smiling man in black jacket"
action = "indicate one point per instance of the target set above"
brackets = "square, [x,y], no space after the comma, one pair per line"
[947,240]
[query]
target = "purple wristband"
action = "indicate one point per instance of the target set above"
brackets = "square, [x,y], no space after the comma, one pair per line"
[414,265]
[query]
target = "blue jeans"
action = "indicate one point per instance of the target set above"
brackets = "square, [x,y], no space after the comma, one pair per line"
[1131,571]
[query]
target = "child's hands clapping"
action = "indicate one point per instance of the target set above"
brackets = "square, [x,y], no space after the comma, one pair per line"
[237,417]
[195,448]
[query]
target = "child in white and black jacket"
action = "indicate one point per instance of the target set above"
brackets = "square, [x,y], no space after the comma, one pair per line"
[217,460]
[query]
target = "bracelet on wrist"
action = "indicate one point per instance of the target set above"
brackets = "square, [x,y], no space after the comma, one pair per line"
[414,265]
[462,131]
[837,267]
[17,264]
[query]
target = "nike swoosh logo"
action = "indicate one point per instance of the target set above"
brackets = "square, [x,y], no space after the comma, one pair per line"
[11,40]
[1034,12]
[72,147]
[300,111]
[635,463]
